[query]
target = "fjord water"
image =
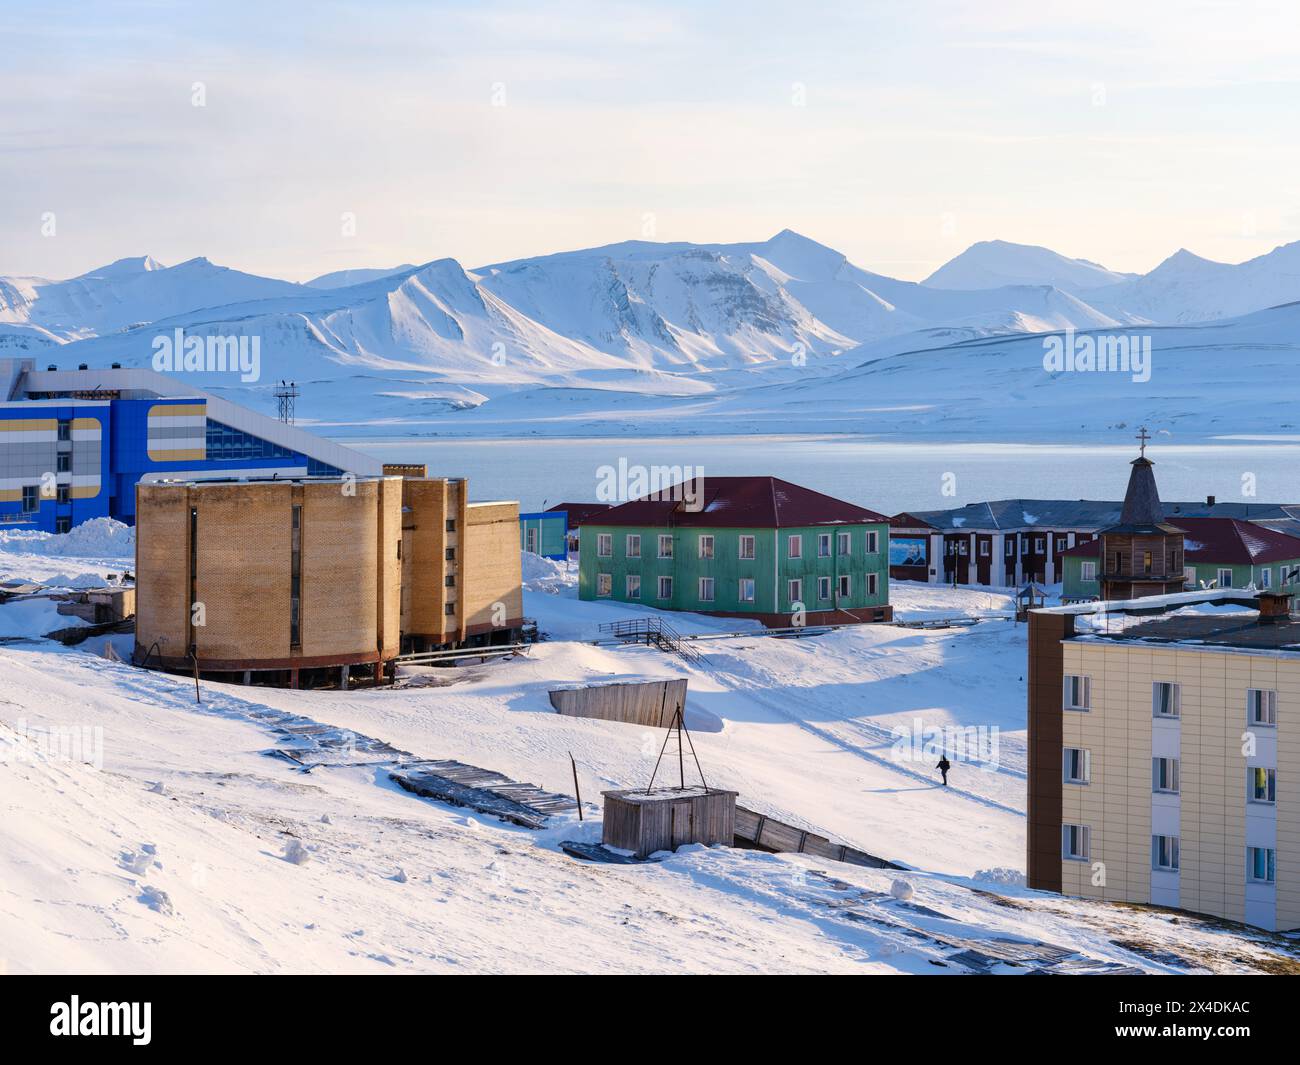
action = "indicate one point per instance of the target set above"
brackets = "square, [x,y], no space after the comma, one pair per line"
[886,476]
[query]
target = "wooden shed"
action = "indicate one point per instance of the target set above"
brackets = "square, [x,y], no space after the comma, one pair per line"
[664,819]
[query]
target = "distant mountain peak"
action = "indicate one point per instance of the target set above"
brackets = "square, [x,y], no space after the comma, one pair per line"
[990,264]
[135,264]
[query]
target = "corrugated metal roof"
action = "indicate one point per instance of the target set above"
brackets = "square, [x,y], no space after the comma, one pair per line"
[1088,515]
[740,502]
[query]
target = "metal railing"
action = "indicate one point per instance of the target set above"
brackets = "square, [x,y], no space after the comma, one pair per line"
[654,632]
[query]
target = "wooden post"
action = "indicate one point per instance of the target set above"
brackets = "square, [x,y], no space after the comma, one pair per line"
[576,790]
[195,660]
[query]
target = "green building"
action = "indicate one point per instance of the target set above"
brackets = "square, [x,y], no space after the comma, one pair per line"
[1217,552]
[755,547]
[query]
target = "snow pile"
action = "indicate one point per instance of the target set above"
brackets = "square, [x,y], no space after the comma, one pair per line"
[1001,875]
[97,538]
[32,618]
[547,575]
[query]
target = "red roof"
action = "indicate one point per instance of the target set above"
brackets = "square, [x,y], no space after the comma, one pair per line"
[1221,540]
[740,503]
[910,521]
[579,512]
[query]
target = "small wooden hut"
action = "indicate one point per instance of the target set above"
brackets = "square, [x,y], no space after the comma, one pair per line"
[664,819]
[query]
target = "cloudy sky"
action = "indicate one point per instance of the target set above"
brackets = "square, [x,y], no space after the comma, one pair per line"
[331,135]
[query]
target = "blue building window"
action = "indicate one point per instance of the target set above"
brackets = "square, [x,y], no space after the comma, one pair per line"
[316,468]
[227,443]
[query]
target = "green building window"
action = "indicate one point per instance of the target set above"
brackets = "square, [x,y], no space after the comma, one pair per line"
[706,589]
[746,589]
[604,545]
[665,587]
[824,547]
[666,546]
[846,585]
[794,546]
[633,546]
[604,584]
[634,586]
[747,547]
[795,591]
[871,584]
[873,544]
[706,546]
[824,586]
[845,543]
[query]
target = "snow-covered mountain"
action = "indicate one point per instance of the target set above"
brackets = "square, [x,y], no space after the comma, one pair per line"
[631,325]
[993,263]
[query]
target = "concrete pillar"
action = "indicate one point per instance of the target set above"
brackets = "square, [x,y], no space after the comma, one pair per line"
[343,678]
[1049,564]
[936,559]
[998,564]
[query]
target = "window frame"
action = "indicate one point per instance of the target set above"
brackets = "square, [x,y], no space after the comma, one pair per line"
[630,592]
[712,596]
[1175,700]
[604,545]
[665,538]
[747,540]
[741,597]
[628,539]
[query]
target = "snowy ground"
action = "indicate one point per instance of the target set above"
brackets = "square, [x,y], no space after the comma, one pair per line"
[167,851]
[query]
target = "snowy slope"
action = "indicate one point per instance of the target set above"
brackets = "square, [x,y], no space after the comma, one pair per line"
[993,263]
[169,851]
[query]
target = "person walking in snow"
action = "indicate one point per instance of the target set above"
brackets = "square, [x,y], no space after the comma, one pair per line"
[943,767]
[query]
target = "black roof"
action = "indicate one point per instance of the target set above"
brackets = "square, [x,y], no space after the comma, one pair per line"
[1142,511]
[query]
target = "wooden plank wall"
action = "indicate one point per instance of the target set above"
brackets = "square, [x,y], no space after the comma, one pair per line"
[652,703]
[766,833]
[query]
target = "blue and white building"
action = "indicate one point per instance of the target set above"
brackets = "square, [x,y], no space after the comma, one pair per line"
[73,443]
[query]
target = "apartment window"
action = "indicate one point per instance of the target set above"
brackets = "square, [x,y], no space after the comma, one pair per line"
[451,524]
[1078,693]
[1261,865]
[871,584]
[844,543]
[295,573]
[450,609]
[1261,707]
[873,541]
[1011,548]
[1075,842]
[449,555]
[1261,785]
[64,494]
[846,586]
[530,540]
[63,462]
[961,547]
[1189,576]
[1164,775]
[665,545]
[604,545]
[31,498]
[1165,699]
[746,547]
[794,589]
[706,589]
[1061,543]
[1088,571]
[1164,853]
[65,429]
[984,549]
[1078,765]
[823,545]
[665,587]
[1038,545]
[823,588]
[449,581]
[706,547]
[794,546]
[604,584]
[1290,576]
[632,545]
[1224,577]
[746,589]
[1266,578]
[63,524]
[633,586]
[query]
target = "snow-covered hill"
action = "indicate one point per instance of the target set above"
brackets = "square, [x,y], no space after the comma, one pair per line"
[664,327]
[993,263]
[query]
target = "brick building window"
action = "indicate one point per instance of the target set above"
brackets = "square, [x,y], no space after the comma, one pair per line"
[1261,707]
[1164,853]
[1077,766]
[1165,698]
[1077,694]
[1076,842]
